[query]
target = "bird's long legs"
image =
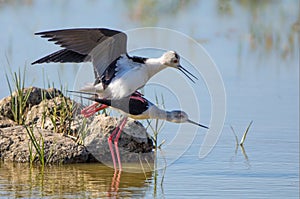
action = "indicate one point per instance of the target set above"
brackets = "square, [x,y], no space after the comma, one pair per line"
[111,147]
[95,107]
[116,141]
[92,109]
[117,131]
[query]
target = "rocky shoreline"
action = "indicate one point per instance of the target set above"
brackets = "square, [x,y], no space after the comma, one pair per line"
[67,137]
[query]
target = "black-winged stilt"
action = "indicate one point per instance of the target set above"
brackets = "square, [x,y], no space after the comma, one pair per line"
[117,74]
[136,107]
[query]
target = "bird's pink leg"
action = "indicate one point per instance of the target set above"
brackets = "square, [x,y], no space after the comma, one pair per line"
[138,94]
[117,140]
[111,148]
[140,98]
[92,109]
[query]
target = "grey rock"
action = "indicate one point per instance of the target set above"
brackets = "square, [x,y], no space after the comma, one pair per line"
[6,122]
[15,142]
[134,144]
[59,109]
[35,97]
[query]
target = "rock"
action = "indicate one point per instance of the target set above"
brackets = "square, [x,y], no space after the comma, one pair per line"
[134,143]
[35,97]
[6,122]
[15,142]
[53,118]
[54,114]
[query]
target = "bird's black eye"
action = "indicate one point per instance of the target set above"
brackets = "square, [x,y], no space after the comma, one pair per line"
[176,55]
[179,115]
[175,61]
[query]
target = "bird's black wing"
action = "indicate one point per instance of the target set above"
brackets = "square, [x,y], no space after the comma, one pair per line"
[133,106]
[99,45]
[137,107]
[63,56]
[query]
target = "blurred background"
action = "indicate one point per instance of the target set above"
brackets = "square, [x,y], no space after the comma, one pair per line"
[239,35]
[255,45]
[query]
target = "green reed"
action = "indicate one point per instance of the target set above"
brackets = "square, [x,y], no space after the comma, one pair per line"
[158,124]
[39,146]
[19,96]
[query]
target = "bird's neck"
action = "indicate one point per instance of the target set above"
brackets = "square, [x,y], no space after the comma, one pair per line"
[163,115]
[168,116]
[157,113]
[154,65]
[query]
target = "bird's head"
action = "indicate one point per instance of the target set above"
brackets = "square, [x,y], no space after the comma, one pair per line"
[181,117]
[172,59]
[177,116]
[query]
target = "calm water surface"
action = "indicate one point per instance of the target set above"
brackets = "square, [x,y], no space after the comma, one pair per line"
[255,45]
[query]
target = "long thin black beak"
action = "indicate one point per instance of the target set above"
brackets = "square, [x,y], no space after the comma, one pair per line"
[192,122]
[92,98]
[187,73]
[80,92]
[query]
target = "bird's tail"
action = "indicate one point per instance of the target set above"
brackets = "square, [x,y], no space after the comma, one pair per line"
[98,105]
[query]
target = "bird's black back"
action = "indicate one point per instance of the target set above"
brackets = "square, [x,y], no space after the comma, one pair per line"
[128,105]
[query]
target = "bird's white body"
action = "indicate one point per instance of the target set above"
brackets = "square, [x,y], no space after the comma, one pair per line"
[117,74]
[129,77]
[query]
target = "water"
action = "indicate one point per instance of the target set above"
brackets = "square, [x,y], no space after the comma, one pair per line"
[256,48]
[80,180]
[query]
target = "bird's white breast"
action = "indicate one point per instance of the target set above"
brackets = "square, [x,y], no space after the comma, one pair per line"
[129,77]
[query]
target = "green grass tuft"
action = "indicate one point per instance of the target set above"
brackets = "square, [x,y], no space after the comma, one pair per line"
[39,146]
[19,96]
[61,115]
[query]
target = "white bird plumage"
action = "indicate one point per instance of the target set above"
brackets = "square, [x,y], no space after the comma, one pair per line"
[131,76]
[117,74]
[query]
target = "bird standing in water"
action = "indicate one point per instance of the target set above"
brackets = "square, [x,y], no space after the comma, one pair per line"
[136,107]
[118,75]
